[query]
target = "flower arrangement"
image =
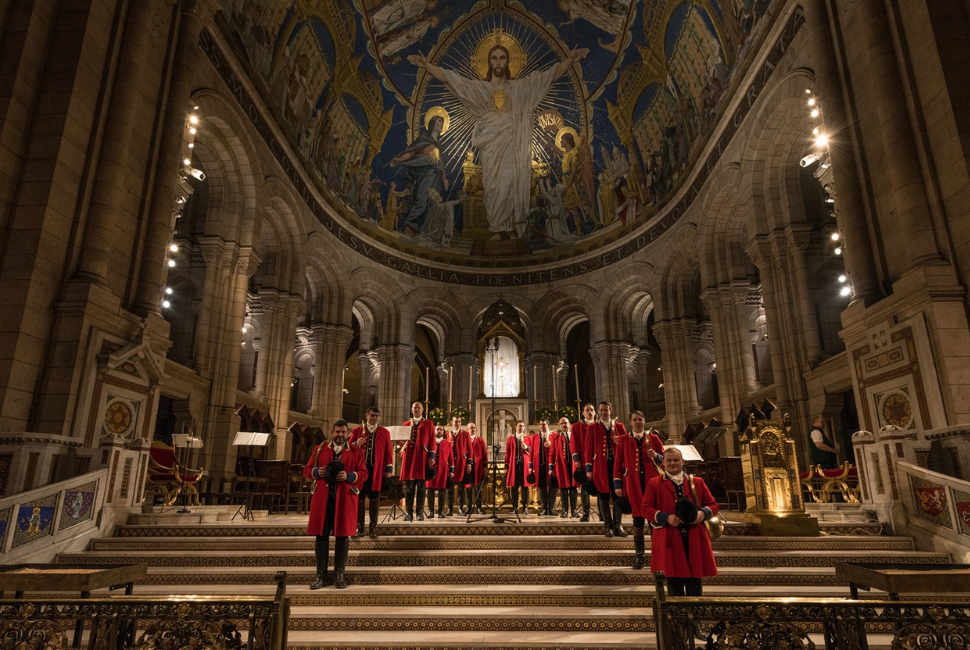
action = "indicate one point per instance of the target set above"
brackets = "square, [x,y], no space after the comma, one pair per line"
[461,412]
[568,412]
[546,413]
[438,415]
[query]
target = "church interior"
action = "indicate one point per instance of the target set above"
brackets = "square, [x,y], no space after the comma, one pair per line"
[229,228]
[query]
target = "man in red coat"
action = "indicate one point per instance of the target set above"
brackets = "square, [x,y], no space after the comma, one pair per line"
[539,445]
[418,454]
[601,439]
[560,466]
[446,470]
[333,510]
[518,466]
[475,466]
[577,445]
[374,444]
[460,446]
[682,550]
[636,463]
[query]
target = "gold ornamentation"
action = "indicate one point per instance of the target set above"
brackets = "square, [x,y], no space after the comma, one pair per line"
[500,101]
[517,57]
[563,131]
[438,111]
[27,634]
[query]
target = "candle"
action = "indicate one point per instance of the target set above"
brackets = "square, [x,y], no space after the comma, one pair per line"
[343,373]
[469,384]
[427,382]
[554,382]
[535,393]
[451,376]
[576,370]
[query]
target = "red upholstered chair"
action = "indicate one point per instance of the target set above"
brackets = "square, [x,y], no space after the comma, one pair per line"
[167,477]
[813,483]
[842,480]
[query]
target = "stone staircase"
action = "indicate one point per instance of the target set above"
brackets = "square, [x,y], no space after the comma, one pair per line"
[544,583]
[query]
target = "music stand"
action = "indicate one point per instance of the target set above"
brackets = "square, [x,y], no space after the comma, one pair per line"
[184,441]
[493,470]
[248,439]
[395,512]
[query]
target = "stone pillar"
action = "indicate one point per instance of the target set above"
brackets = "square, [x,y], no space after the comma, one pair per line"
[680,391]
[849,203]
[640,386]
[280,399]
[798,240]
[161,215]
[611,361]
[728,374]
[213,249]
[331,352]
[395,382]
[734,299]
[267,317]
[760,254]
[370,373]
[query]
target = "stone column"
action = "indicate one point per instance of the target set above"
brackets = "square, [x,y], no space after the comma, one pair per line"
[849,204]
[641,373]
[370,373]
[213,250]
[734,299]
[799,238]
[611,361]
[331,352]
[680,391]
[395,383]
[728,375]
[267,317]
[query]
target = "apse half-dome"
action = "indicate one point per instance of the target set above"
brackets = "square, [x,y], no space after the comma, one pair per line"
[440,156]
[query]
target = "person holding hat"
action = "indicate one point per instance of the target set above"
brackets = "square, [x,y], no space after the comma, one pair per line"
[601,439]
[540,445]
[518,468]
[438,485]
[338,471]
[417,461]
[560,476]
[460,447]
[636,463]
[678,547]
[374,443]
[577,445]
[475,467]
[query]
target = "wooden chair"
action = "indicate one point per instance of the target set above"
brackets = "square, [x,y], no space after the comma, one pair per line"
[276,489]
[166,477]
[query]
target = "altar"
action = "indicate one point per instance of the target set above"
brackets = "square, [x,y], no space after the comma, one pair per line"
[495,426]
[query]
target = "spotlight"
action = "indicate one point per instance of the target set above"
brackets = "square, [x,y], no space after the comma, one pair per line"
[829,199]
[814,112]
[195,120]
[808,91]
[171,264]
[191,145]
[168,291]
[192,130]
[811,102]
[187,162]
[660,386]
[808,160]
[835,236]
[815,131]
[842,278]
[166,304]
[198,174]
[174,248]
[845,291]
[838,251]
[244,329]
[821,140]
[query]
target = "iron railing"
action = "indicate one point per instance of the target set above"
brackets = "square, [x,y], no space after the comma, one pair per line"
[148,623]
[807,623]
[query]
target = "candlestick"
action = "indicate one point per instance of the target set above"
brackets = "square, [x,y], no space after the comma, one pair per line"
[427,383]
[535,393]
[553,382]
[451,376]
[469,389]
[576,372]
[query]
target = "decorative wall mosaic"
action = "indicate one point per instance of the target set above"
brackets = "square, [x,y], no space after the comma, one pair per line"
[35,520]
[78,505]
[961,501]
[931,502]
[4,525]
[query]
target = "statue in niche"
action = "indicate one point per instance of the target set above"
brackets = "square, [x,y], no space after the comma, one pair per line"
[504,109]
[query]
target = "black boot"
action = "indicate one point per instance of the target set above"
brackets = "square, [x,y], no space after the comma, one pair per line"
[543,502]
[431,497]
[375,513]
[514,494]
[639,549]
[341,547]
[585,505]
[525,500]
[441,505]
[409,501]
[451,503]
[563,503]
[604,508]
[618,521]
[360,516]
[420,501]
[572,504]
[321,549]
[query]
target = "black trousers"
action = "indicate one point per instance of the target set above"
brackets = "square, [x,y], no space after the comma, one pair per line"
[684,587]
[410,487]
[321,549]
[515,492]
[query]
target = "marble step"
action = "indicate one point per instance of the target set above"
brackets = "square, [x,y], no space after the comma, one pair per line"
[429,640]
[482,543]
[473,558]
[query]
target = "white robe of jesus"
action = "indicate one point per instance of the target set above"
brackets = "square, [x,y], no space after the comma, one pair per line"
[503,136]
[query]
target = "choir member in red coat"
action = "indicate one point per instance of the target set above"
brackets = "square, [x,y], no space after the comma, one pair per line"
[601,439]
[418,454]
[578,448]
[460,443]
[560,466]
[333,510]
[446,470]
[518,467]
[475,467]
[636,463]
[682,550]
[539,446]
[374,443]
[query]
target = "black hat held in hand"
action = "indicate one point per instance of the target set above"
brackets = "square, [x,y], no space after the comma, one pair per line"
[333,468]
[623,503]
[686,510]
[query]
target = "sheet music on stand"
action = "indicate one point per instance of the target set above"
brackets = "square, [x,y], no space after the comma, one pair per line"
[248,439]
[400,432]
[689,452]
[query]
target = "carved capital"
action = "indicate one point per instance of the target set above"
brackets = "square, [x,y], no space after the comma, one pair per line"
[760,254]
[711,300]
